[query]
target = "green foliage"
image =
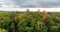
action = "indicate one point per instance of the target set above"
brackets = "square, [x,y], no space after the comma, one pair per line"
[4,19]
[29,22]
[3,30]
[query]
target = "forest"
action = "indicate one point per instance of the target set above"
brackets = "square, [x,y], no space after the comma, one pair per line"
[30,21]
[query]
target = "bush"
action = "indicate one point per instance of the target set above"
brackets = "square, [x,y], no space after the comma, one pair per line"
[3,30]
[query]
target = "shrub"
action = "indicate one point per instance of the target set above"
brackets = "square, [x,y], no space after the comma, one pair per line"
[3,30]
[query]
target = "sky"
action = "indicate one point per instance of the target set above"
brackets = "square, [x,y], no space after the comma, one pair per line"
[31,9]
[30,3]
[33,5]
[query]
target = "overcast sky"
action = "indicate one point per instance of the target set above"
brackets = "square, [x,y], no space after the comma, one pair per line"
[30,3]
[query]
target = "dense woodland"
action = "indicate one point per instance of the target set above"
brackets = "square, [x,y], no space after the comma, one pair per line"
[29,21]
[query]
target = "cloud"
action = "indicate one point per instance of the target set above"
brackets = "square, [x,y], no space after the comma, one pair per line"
[8,3]
[50,3]
[31,3]
[34,3]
